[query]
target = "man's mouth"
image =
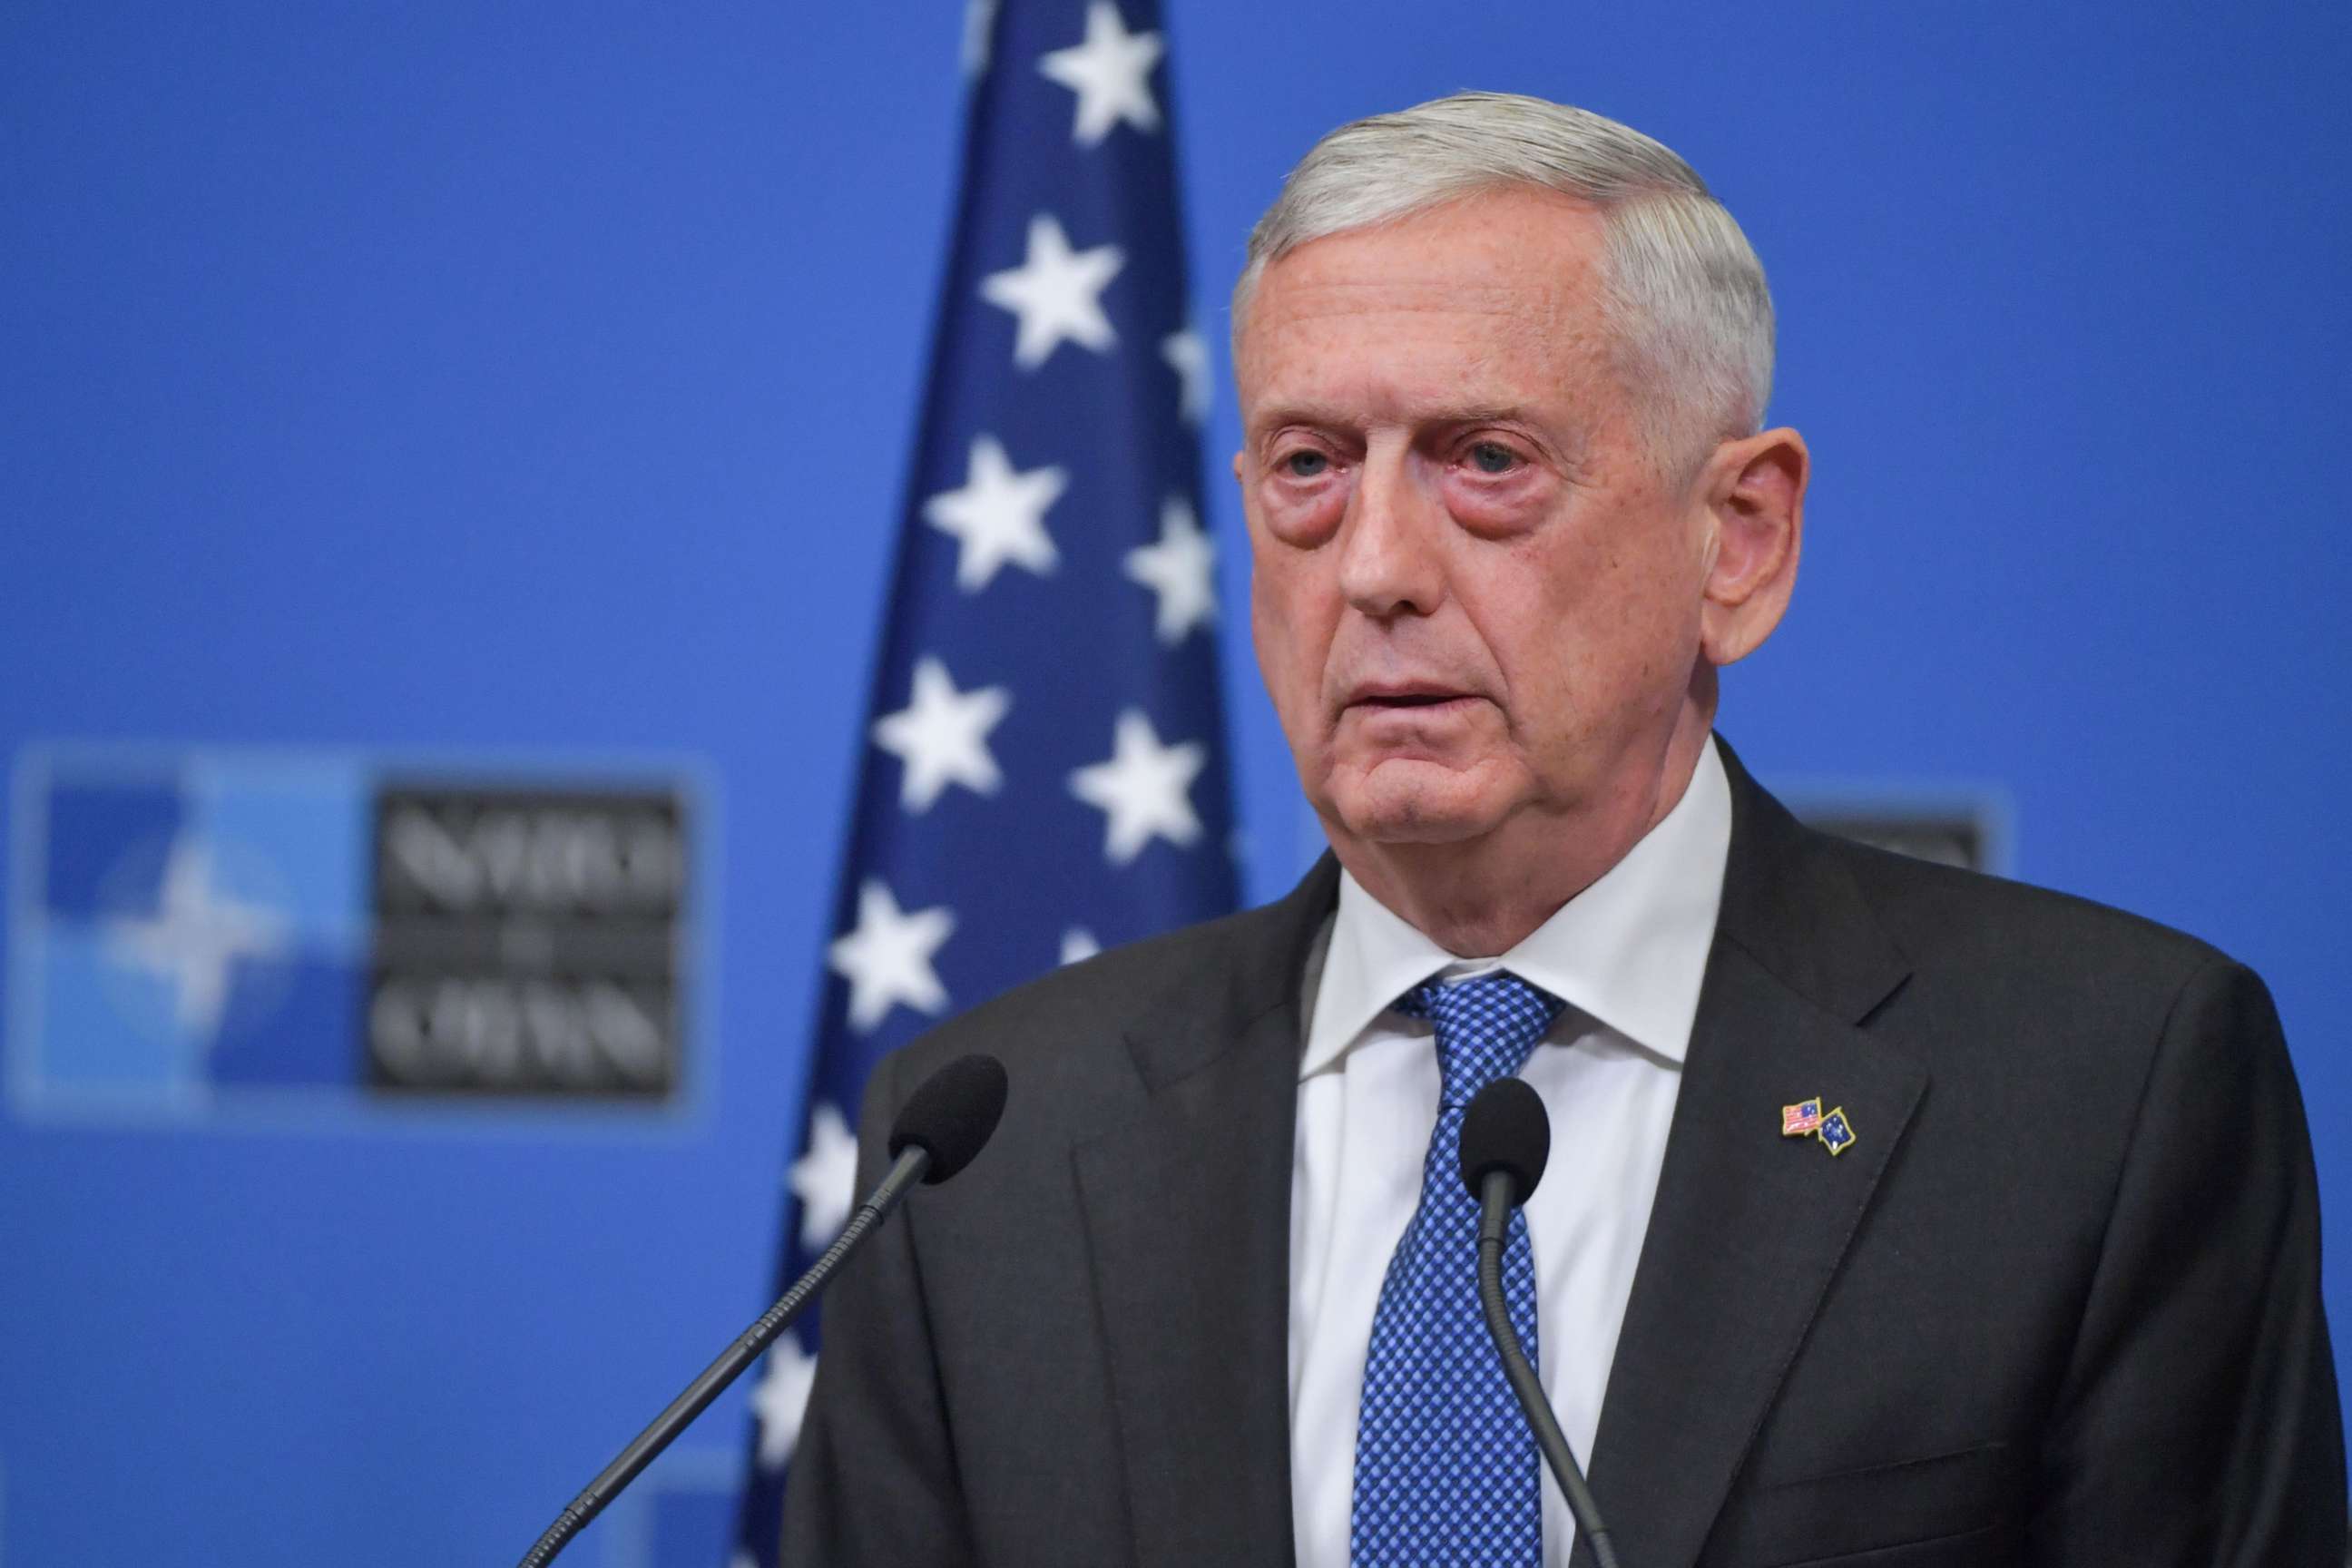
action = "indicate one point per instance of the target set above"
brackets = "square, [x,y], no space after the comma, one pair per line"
[1406,699]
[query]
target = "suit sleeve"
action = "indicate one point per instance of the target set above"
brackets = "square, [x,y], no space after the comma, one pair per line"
[872,1480]
[2198,1422]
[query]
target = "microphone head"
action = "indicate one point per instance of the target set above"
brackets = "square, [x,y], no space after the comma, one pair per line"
[1504,1129]
[951,1115]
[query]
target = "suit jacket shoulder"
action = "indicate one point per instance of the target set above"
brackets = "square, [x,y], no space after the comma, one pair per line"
[1944,916]
[1187,994]
[1993,1328]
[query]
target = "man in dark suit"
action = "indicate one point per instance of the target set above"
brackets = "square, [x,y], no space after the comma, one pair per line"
[1909,1217]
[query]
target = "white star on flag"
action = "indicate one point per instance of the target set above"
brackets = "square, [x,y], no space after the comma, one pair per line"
[825,1178]
[196,938]
[1187,354]
[887,959]
[1056,293]
[1078,944]
[781,1400]
[1180,569]
[1142,790]
[999,516]
[1110,72]
[941,736]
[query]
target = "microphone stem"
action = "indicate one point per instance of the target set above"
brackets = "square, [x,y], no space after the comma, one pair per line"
[1494,1226]
[643,1448]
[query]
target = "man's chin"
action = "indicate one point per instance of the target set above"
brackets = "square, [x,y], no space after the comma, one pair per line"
[1395,811]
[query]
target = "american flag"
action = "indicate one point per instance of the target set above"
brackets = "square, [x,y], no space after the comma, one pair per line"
[1802,1117]
[1047,770]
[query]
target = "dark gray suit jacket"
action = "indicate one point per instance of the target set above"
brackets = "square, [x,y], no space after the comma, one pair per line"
[2060,1303]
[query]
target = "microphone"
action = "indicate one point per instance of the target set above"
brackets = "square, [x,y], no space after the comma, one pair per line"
[950,1116]
[945,1122]
[1506,1139]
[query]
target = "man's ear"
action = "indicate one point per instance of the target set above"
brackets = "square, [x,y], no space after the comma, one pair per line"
[1754,491]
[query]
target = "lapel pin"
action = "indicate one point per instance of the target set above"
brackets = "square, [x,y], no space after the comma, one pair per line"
[1799,1119]
[1836,1133]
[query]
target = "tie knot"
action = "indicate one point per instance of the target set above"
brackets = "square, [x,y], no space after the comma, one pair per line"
[1486,1027]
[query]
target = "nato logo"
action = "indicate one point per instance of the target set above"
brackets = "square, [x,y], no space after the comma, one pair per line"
[211,929]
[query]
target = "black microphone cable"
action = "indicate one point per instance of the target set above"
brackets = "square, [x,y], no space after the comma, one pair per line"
[1506,1141]
[946,1121]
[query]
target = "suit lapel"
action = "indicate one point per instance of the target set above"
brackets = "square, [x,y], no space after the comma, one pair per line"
[1748,1226]
[1187,1212]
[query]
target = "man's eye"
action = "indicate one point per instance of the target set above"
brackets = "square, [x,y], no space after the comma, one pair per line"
[1305,465]
[1493,458]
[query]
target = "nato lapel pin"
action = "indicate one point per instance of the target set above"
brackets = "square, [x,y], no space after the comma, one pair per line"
[1836,1133]
[1799,1119]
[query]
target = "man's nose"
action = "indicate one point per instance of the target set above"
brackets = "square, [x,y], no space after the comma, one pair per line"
[1389,544]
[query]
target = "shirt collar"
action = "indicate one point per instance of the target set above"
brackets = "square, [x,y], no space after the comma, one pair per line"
[1630,950]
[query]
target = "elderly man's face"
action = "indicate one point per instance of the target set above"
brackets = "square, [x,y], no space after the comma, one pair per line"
[1476,594]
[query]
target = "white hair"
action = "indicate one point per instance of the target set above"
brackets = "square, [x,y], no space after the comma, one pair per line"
[1686,299]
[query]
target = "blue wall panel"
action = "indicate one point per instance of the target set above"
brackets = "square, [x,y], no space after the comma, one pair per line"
[533,384]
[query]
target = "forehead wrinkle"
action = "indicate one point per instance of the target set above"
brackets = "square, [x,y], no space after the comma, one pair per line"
[1486,378]
[1545,307]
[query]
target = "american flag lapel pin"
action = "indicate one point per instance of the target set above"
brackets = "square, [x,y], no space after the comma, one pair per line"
[1802,1119]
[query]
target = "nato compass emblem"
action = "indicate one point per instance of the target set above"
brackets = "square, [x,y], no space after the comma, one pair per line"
[207,932]
[174,931]
[1807,1119]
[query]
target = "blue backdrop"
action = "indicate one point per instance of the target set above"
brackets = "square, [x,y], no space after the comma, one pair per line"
[532,388]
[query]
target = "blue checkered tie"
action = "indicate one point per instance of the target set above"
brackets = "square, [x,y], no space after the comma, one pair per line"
[1446,1467]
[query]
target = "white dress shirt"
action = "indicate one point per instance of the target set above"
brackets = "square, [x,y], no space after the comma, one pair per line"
[1627,955]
